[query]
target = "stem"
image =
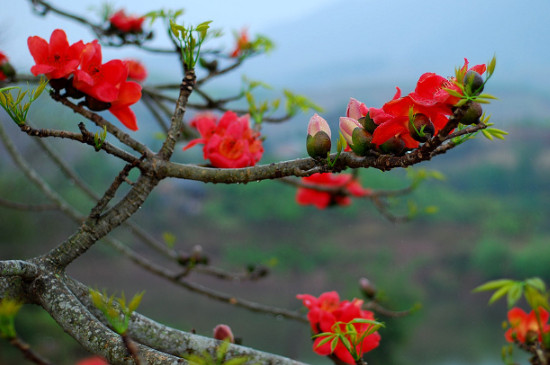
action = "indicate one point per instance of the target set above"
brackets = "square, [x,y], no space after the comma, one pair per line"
[27,352]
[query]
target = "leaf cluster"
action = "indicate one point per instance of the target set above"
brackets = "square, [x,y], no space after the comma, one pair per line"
[533,289]
[219,359]
[116,310]
[14,106]
[346,334]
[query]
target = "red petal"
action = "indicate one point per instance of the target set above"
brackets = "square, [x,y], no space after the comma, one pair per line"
[41,69]
[38,48]
[129,93]
[386,131]
[126,117]
[58,41]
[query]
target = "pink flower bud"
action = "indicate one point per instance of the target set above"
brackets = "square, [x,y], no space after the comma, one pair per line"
[223,332]
[356,109]
[317,124]
[347,126]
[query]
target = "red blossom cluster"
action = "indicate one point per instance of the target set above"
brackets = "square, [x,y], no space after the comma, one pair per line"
[6,70]
[229,142]
[126,23]
[95,360]
[525,327]
[326,189]
[323,314]
[243,44]
[399,121]
[78,69]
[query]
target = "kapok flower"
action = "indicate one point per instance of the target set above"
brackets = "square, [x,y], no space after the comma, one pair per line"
[525,327]
[95,360]
[229,142]
[243,44]
[126,23]
[323,314]
[429,99]
[326,189]
[6,69]
[107,83]
[56,59]
[318,137]
[136,70]
[393,121]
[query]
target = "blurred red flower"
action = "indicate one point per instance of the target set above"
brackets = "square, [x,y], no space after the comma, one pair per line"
[127,23]
[524,327]
[3,61]
[242,45]
[341,186]
[136,70]
[325,311]
[56,59]
[95,360]
[229,142]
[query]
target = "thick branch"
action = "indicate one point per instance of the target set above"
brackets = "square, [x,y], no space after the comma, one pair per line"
[94,229]
[77,321]
[172,341]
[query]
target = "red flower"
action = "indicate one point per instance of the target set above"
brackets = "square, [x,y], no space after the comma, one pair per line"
[343,184]
[56,59]
[229,142]
[3,61]
[136,70]
[107,82]
[126,23]
[525,327]
[242,45]
[96,360]
[325,311]
[429,98]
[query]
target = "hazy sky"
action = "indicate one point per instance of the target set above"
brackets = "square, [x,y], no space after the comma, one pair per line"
[325,44]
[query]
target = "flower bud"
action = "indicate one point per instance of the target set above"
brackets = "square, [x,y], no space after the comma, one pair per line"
[318,137]
[223,332]
[361,142]
[356,109]
[473,83]
[96,105]
[347,126]
[421,128]
[472,114]
[368,288]
[394,146]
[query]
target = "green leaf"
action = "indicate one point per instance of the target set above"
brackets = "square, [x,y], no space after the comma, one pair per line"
[494,284]
[536,283]
[514,294]
[487,96]
[346,343]
[491,66]
[499,294]
[453,92]
[487,135]
[136,300]
[237,361]
[329,337]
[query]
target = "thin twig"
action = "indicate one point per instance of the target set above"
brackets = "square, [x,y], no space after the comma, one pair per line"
[28,352]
